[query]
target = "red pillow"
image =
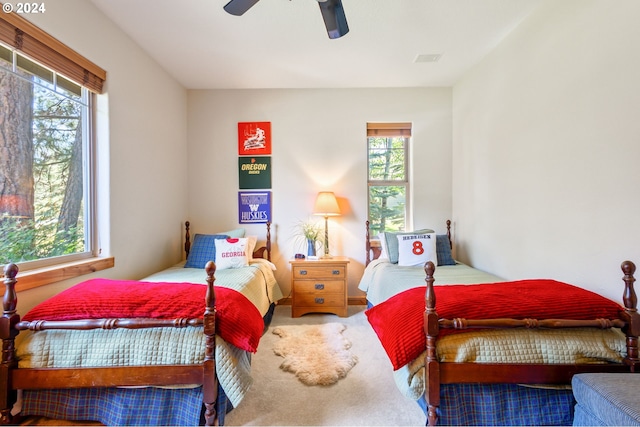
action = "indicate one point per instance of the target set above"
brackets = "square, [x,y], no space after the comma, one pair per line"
[238,321]
[399,321]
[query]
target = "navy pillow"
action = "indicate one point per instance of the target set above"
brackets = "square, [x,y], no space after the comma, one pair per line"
[203,250]
[443,250]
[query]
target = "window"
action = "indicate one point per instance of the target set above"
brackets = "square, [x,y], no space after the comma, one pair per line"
[388,176]
[46,147]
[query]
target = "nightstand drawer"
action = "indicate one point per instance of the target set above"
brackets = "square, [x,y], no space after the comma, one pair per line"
[319,271]
[319,286]
[319,300]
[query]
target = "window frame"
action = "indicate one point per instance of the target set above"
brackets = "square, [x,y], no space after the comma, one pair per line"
[30,42]
[392,130]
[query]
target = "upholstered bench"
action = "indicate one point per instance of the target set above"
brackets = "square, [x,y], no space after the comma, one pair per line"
[606,399]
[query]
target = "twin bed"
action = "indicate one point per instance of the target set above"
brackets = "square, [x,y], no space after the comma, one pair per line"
[490,351]
[171,349]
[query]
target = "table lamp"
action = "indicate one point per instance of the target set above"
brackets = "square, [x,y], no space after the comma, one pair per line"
[326,205]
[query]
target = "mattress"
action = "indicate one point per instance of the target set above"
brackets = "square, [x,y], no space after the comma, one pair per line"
[382,279]
[257,281]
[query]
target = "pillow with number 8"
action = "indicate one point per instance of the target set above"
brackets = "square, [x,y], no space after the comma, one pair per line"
[417,249]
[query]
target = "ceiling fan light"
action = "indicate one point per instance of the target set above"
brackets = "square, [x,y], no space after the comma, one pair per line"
[334,18]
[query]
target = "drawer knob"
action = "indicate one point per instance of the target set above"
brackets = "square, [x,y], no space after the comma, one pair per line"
[319,300]
[335,272]
[319,286]
[303,272]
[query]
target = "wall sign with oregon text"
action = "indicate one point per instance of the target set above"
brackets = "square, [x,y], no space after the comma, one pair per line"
[254,173]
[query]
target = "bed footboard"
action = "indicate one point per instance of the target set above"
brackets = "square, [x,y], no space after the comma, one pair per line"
[437,373]
[13,379]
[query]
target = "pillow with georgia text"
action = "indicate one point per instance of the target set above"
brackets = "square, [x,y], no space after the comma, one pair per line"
[416,249]
[231,253]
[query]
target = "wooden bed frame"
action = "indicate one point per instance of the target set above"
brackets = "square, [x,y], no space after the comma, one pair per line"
[13,379]
[438,373]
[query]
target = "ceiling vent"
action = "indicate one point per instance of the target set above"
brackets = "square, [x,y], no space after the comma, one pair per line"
[427,57]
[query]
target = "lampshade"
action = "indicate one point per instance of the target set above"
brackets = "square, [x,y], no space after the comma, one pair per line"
[326,204]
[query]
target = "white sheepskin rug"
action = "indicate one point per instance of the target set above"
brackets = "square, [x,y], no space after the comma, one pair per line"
[317,354]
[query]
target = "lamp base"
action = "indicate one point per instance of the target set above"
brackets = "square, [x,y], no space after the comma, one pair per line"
[326,256]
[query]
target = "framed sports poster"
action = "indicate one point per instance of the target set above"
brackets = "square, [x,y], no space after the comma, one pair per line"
[254,172]
[254,207]
[254,138]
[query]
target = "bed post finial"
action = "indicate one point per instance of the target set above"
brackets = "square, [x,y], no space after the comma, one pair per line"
[10,300]
[187,238]
[429,269]
[630,299]
[449,233]
[632,330]
[268,245]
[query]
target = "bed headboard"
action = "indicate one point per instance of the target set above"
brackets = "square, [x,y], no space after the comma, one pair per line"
[258,253]
[374,249]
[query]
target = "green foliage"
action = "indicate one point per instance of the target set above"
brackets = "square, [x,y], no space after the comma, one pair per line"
[305,231]
[310,230]
[27,240]
[387,159]
[387,169]
[54,123]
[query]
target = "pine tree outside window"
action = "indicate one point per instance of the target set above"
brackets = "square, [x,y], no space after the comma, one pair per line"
[388,176]
[47,165]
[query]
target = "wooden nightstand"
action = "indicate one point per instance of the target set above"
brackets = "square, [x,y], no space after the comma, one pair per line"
[319,286]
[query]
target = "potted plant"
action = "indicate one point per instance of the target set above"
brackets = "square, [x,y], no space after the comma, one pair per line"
[311,234]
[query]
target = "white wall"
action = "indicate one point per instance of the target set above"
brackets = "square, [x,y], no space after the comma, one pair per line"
[142,147]
[546,142]
[319,143]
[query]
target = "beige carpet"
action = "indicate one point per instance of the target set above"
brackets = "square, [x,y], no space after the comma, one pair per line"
[316,354]
[367,396]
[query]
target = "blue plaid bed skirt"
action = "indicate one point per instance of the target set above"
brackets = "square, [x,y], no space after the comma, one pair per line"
[503,405]
[148,406]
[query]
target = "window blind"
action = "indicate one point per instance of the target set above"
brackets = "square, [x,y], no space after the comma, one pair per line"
[389,129]
[22,35]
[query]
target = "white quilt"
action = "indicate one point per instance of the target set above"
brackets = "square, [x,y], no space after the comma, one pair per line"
[382,279]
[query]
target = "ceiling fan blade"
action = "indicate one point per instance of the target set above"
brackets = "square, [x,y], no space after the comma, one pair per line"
[239,7]
[334,18]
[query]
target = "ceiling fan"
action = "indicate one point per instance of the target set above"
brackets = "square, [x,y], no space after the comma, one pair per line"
[332,14]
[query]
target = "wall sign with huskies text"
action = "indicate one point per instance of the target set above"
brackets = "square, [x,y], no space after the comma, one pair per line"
[254,207]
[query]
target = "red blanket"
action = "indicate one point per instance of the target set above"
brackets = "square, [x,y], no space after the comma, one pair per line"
[238,321]
[398,321]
